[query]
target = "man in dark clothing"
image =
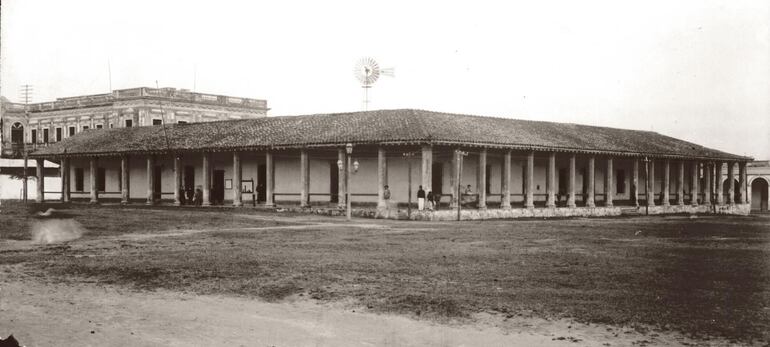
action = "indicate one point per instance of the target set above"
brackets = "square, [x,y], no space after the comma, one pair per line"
[420,199]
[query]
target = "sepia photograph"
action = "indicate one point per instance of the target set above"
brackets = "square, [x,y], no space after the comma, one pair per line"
[384,173]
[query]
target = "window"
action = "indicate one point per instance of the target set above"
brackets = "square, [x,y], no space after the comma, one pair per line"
[110,125]
[620,184]
[85,127]
[157,122]
[129,123]
[99,126]
[45,135]
[33,135]
[58,134]
[78,179]
[17,133]
[72,131]
[100,173]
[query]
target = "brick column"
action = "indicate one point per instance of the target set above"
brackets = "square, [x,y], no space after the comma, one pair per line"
[571,182]
[177,180]
[666,187]
[150,181]
[65,179]
[680,184]
[694,184]
[237,194]
[381,177]
[92,174]
[651,183]
[529,179]
[206,180]
[482,179]
[342,184]
[609,184]
[40,180]
[304,178]
[719,188]
[708,171]
[550,180]
[269,179]
[731,183]
[743,182]
[124,179]
[591,172]
[506,181]
[635,183]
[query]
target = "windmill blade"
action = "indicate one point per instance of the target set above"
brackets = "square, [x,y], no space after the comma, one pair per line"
[389,71]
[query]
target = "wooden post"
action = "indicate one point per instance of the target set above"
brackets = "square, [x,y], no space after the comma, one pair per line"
[590,201]
[269,179]
[506,182]
[550,183]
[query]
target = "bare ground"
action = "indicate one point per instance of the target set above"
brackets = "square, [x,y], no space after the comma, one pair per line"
[230,277]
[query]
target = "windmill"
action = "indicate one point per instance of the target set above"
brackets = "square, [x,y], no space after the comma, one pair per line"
[367,71]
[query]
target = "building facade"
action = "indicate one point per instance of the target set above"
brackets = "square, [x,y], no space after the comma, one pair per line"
[513,168]
[40,124]
[28,127]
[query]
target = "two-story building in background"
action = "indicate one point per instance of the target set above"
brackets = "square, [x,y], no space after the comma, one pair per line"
[26,127]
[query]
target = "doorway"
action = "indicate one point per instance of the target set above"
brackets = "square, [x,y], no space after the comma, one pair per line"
[334,181]
[218,187]
[759,194]
[156,180]
[261,183]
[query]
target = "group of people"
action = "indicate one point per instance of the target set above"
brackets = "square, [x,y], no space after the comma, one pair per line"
[430,201]
[188,196]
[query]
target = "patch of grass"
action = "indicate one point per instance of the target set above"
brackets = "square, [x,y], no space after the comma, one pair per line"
[704,277]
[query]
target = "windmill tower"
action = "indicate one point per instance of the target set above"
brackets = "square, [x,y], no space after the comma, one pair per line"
[367,71]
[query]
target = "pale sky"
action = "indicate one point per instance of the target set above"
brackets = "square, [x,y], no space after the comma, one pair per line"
[695,70]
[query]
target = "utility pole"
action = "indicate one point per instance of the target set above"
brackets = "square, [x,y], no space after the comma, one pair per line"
[26,95]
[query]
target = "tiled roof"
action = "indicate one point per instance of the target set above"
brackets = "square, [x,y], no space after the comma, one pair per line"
[378,127]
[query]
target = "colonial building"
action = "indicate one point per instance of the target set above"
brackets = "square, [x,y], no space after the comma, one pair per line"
[27,127]
[515,168]
[42,123]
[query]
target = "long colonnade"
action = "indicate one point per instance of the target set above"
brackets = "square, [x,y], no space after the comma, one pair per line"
[705,177]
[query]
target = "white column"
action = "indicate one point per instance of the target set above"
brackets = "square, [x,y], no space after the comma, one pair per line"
[427,167]
[206,180]
[124,188]
[666,188]
[506,181]
[65,179]
[177,180]
[719,184]
[482,179]
[237,196]
[40,180]
[707,180]
[342,185]
[529,173]
[694,184]
[743,182]
[609,184]
[635,183]
[571,182]
[304,178]
[731,183]
[150,181]
[269,179]
[651,182]
[590,201]
[550,183]
[94,188]
[680,184]
[381,177]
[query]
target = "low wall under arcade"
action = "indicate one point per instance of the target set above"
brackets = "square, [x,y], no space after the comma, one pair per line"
[515,213]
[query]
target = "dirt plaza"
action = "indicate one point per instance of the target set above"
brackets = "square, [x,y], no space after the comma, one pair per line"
[181,276]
